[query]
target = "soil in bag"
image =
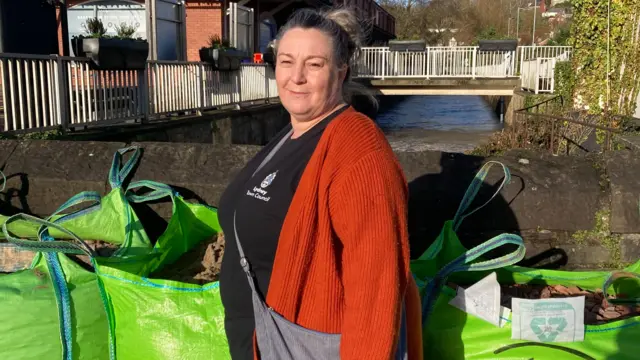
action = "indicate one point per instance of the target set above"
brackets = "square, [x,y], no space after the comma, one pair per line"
[200,265]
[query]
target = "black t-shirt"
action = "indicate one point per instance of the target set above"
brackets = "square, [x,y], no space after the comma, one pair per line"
[261,203]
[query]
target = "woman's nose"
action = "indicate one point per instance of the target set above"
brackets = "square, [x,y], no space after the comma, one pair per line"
[298,76]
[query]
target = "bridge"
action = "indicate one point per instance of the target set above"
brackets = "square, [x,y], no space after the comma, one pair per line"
[460,70]
[42,92]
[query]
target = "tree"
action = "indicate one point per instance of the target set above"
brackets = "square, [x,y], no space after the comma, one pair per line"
[561,36]
[489,33]
[436,21]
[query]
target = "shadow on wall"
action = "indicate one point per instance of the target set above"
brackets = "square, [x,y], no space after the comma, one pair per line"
[435,197]
[10,193]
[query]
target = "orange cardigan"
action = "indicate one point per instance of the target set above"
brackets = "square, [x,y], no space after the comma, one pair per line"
[342,262]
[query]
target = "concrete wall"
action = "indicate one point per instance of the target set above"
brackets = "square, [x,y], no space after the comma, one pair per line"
[553,201]
[511,104]
[252,126]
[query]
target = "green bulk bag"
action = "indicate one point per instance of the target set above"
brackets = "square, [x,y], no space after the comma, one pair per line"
[110,219]
[450,333]
[149,318]
[53,310]
[163,319]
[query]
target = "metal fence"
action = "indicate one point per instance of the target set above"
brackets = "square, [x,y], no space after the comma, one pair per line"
[30,92]
[453,62]
[42,92]
[102,96]
[538,75]
[546,126]
[527,53]
[437,61]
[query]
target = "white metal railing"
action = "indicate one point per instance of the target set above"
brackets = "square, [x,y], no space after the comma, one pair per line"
[438,61]
[254,83]
[174,86]
[181,86]
[451,61]
[498,64]
[525,53]
[40,92]
[537,75]
[103,96]
[30,91]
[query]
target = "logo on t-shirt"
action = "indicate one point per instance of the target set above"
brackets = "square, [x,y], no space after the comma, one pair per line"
[268,180]
[259,192]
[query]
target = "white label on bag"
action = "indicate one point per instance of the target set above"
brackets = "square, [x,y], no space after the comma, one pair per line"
[548,320]
[482,300]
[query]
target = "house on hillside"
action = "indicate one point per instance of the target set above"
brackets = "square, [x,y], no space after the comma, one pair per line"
[563,13]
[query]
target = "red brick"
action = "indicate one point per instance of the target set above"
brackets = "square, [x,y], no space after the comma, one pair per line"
[204,19]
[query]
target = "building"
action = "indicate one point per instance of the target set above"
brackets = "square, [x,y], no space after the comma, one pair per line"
[177,29]
[558,13]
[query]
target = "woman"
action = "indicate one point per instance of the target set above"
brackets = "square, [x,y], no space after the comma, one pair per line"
[318,218]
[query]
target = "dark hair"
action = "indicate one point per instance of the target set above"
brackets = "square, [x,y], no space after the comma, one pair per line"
[341,25]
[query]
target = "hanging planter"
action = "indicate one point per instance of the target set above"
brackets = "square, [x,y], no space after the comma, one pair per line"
[121,52]
[222,56]
[112,54]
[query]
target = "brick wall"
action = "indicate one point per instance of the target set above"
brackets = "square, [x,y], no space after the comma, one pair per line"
[203,19]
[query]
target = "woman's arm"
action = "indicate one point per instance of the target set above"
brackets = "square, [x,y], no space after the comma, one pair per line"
[368,205]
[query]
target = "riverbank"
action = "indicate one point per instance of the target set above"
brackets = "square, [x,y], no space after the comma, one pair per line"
[446,141]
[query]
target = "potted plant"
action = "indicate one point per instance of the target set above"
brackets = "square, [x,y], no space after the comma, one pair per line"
[120,52]
[269,55]
[221,55]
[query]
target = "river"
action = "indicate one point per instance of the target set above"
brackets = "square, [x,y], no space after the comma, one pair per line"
[444,123]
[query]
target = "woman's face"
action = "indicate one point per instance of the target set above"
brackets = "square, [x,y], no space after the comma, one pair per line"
[309,79]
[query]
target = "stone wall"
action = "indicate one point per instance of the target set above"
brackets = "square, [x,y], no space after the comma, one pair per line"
[573,212]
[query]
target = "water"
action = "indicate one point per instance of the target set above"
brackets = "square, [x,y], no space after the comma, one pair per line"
[444,123]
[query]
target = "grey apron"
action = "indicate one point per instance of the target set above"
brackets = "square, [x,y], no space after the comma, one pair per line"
[280,339]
